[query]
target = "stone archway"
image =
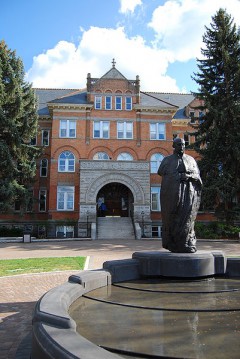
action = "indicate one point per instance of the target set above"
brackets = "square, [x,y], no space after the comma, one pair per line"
[94,175]
[115,200]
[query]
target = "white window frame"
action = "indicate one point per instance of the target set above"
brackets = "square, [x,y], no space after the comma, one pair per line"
[155,199]
[108,102]
[65,198]
[45,138]
[43,168]
[101,129]
[64,230]
[123,128]
[68,126]
[158,131]
[128,103]
[118,105]
[98,102]
[66,164]
[155,162]
[158,231]
[42,192]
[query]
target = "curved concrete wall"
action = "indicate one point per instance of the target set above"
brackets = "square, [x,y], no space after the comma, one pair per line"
[54,331]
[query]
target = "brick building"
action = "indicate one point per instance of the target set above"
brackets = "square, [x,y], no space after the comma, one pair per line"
[102,148]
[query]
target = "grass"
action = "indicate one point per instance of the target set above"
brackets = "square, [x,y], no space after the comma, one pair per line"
[38,265]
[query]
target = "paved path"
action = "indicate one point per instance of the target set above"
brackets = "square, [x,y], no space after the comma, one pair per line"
[18,294]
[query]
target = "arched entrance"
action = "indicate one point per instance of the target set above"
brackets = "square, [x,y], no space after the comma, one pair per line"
[114,199]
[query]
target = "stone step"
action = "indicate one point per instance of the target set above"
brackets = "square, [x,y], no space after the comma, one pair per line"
[115,228]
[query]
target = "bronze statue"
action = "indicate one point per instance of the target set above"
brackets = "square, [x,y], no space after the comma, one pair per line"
[180,199]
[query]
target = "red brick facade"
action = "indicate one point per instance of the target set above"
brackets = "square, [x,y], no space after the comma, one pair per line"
[110,116]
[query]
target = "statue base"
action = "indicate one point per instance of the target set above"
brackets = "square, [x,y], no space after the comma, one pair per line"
[184,265]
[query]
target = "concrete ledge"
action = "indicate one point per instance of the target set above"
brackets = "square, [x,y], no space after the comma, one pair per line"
[54,331]
[184,265]
[50,342]
[124,269]
[233,267]
[91,280]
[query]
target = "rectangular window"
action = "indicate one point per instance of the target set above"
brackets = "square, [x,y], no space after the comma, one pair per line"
[98,102]
[45,137]
[42,200]
[44,167]
[67,129]
[118,102]
[29,206]
[64,231]
[128,103]
[192,116]
[65,198]
[124,130]
[157,131]
[155,199]
[108,102]
[156,231]
[101,129]
[33,141]
[186,139]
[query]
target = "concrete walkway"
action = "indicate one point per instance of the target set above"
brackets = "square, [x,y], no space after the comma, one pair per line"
[18,294]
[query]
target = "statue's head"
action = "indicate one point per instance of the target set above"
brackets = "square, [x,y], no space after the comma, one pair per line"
[179,145]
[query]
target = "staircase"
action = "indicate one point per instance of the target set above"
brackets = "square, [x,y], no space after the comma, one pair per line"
[115,228]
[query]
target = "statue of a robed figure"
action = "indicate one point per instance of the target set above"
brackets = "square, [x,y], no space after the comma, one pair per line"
[180,199]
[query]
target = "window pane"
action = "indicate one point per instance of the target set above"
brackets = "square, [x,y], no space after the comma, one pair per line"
[153,131]
[42,200]
[118,102]
[105,129]
[72,128]
[108,102]
[128,105]
[161,131]
[63,128]
[96,130]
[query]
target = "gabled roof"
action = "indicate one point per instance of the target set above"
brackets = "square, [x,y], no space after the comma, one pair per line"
[113,73]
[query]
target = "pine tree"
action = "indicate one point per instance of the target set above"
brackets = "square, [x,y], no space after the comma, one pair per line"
[18,125]
[218,135]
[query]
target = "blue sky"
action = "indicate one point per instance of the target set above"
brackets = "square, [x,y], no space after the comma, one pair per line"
[61,41]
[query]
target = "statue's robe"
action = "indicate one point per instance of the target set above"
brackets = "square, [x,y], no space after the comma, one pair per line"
[180,202]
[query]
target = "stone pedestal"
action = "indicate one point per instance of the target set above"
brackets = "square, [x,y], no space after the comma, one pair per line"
[184,265]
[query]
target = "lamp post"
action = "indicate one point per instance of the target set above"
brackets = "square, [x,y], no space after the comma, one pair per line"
[143,233]
[87,213]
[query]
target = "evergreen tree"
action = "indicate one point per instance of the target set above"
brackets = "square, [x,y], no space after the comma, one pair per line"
[18,125]
[218,134]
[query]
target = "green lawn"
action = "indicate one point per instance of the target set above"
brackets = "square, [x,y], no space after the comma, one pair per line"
[38,265]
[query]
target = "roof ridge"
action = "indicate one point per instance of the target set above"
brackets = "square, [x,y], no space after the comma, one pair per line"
[168,93]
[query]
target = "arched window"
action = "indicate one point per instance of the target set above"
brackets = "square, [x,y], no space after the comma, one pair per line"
[101,156]
[66,162]
[44,167]
[124,156]
[156,160]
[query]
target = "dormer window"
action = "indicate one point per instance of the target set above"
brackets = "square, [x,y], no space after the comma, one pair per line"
[98,102]
[118,102]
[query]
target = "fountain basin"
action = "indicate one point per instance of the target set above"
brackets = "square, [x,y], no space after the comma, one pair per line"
[56,334]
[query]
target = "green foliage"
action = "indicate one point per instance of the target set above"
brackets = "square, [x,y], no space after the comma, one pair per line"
[218,135]
[18,125]
[216,230]
[11,232]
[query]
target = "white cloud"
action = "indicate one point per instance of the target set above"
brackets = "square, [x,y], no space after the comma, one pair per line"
[179,24]
[178,27]
[129,5]
[67,65]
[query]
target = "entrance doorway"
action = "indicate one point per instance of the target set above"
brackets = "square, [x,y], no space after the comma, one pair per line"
[114,199]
